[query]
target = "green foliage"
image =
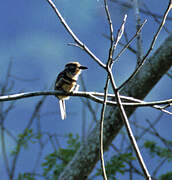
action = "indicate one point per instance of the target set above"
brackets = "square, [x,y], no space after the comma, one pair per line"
[56,161]
[167,176]
[156,150]
[23,140]
[25,176]
[116,165]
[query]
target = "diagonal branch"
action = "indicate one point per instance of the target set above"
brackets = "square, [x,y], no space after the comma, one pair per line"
[128,128]
[88,154]
[76,39]
[151,46]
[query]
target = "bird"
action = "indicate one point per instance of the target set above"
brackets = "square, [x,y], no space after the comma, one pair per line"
[67,81]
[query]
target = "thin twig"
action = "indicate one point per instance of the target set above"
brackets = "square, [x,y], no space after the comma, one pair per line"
[160,165]
[109,63]
[158,136]
[151,46]
[128,128]
[122,44]
[91,95]
[111,49]
[41,144]
[19,145]
[101,129]
[119,103]
[3,113]
[120,32]
[128,5]
[138,24]
[155,18]
[147,129]
[129,42]
[76,39]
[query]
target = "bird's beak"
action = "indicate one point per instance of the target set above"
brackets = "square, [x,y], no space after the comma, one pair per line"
[83,67]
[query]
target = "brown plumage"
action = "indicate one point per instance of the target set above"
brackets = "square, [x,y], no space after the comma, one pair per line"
[67,81]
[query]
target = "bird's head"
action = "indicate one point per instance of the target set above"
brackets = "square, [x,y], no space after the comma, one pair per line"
[74,68]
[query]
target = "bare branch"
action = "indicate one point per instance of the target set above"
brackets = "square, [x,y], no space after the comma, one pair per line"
[88,154]
[151,46]
[128,128]
[138,24]
[19,145]
[120,31]
[155,17]
[159,136]
[101,128]
[146,12]
[91,95]
[76,39]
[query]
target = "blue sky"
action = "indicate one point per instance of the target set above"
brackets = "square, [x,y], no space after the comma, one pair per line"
[33,38]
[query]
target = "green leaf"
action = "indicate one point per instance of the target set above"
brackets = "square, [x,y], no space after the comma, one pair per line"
[116,164]
[25,176]
[167,176]
[56,161]
[156,150]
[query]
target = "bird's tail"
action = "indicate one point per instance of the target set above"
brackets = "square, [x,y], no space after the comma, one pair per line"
[62,108]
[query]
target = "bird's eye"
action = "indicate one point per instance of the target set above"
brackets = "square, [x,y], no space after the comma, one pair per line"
[72,69]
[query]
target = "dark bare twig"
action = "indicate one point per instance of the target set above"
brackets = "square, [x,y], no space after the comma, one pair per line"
[34,114]
[128,5]
[155,17]
[147,129]
[41,143]
[6,87]
[138,24]
[154,133]
[151,46]
[156,170]
[158,136]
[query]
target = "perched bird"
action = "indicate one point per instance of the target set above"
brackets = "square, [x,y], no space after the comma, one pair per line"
[66,81]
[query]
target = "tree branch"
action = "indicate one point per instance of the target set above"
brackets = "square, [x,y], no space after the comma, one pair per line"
[151,45]
[91,95]
[76,39]
[87,156]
